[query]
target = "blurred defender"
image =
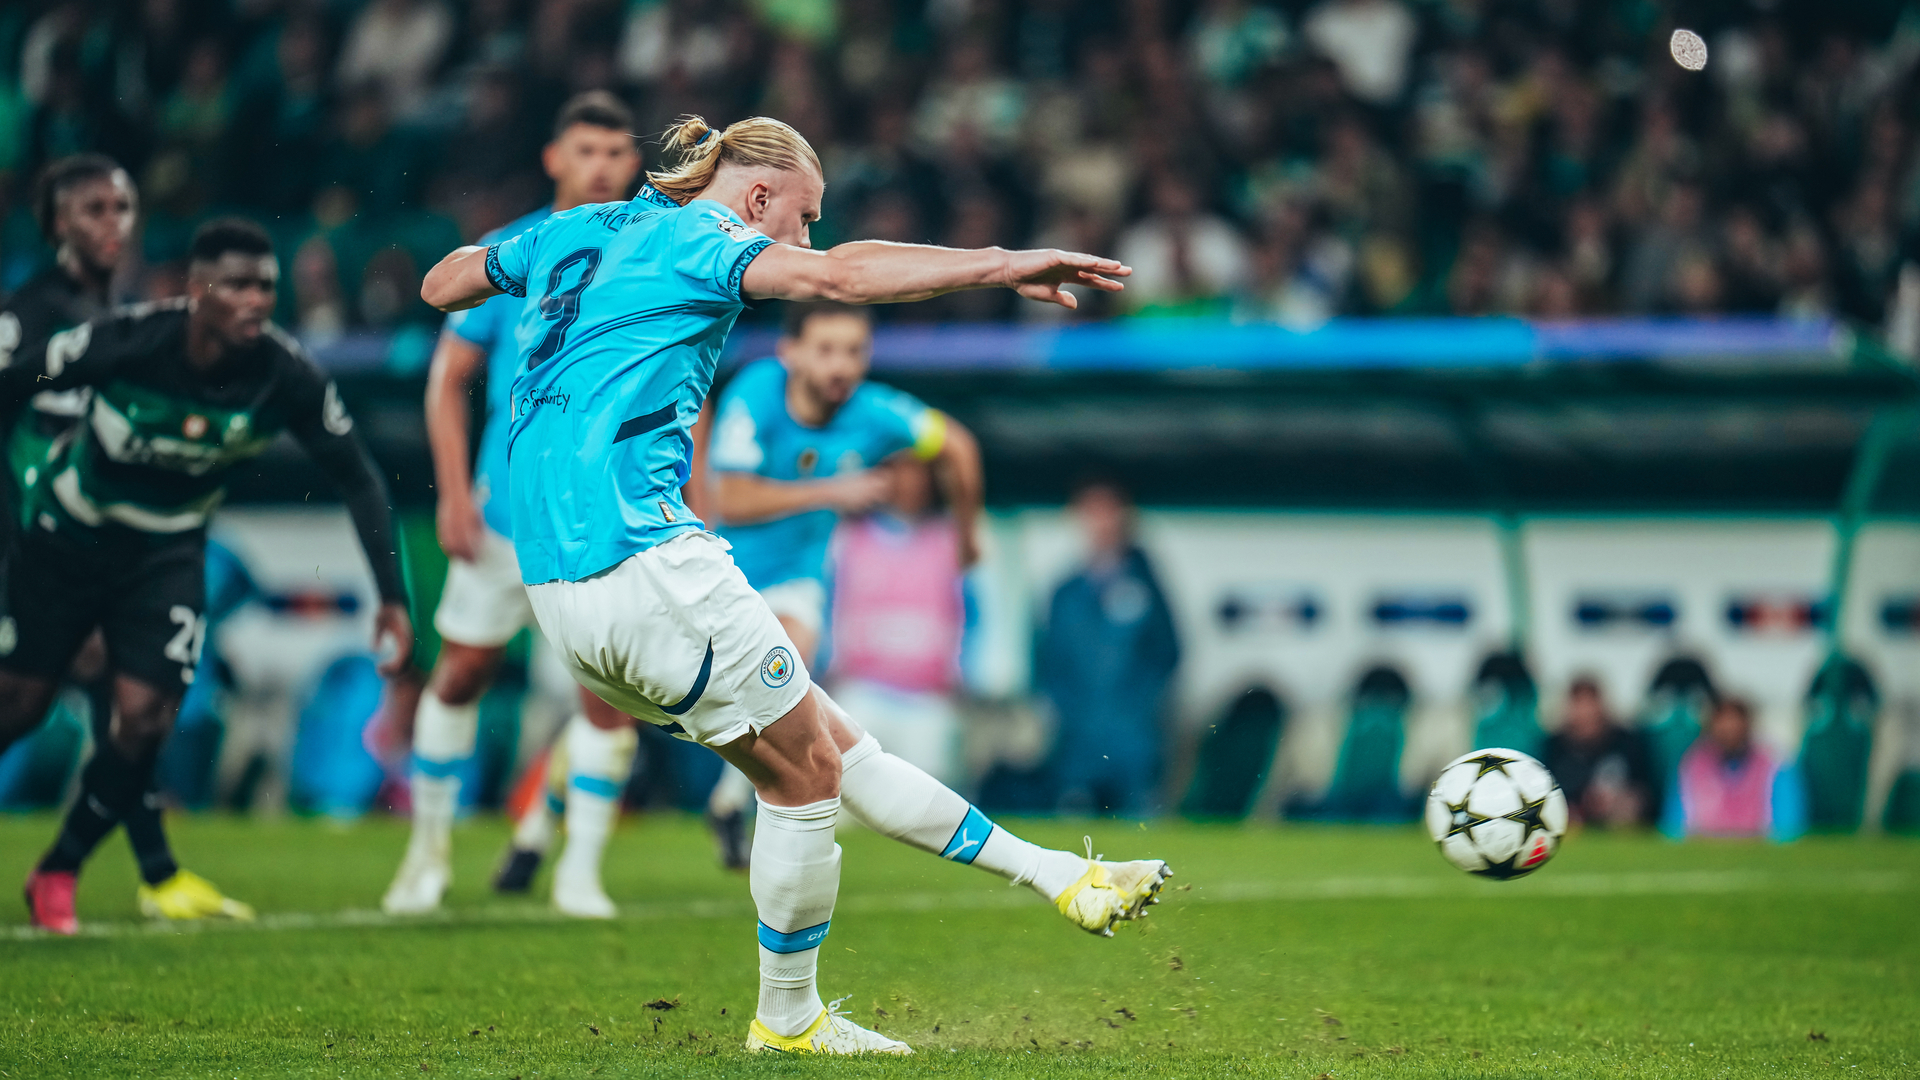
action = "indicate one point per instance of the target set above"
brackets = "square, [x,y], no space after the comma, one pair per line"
[183,392]
[793,448]
[646,607]
[591,159]
[86,206]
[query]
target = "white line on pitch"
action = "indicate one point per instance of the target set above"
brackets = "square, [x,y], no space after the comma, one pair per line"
[1647,883]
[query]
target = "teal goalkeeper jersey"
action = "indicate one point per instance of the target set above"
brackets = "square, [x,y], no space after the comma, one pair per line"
[630,305]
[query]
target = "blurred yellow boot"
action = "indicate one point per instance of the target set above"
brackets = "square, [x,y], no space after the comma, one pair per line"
[187,895]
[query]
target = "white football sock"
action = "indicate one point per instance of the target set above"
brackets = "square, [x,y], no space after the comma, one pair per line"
[730,792]
[598,761]
[443,734]
[435,801]
[443,737]
[895,798]
[795,878]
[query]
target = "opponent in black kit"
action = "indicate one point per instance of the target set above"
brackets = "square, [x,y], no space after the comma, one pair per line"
[85,206]
[115,528]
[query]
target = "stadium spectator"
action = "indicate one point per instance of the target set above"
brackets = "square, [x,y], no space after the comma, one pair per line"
[1185,260]
[280,121]
[898,615]
[1602,767]
[970,103]
[1107,658]
[1317,157]
[1730,785]
[395,46]
[1370,41]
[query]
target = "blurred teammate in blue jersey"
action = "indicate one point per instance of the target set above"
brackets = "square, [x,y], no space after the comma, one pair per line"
[635,301]
[793,448]
[592,158]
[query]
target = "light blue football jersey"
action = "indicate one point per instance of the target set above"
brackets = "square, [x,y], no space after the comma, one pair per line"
[635,301]
[491,327]
[755,433]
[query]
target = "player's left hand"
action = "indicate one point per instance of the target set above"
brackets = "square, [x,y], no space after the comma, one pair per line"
[392,624]
[1038,274]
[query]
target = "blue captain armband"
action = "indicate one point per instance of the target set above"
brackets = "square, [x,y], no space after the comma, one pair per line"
[498,275]
[747,255]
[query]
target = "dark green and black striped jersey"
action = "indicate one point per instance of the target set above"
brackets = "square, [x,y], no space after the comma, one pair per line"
[160,435]
[49,302]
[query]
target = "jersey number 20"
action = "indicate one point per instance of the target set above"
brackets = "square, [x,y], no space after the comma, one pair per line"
[562,306]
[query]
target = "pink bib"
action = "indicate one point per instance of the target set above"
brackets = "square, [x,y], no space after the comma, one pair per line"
[897,612]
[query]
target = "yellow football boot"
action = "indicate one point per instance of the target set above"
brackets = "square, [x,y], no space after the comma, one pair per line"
[187,895]
[833,1033]
[1110,892]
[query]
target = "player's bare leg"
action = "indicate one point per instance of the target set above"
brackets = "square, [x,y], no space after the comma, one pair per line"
[732,794]
[599,744]
[114,788]
[896,798]
[146,832]
[113,783]
[794,765]
[444,729]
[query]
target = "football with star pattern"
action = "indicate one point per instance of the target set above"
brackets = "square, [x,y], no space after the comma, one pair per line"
[1497,813]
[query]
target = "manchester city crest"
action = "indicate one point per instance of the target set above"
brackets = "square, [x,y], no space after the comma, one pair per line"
[776,668]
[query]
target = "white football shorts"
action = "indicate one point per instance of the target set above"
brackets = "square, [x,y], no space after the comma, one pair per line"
[676,637]
[804,600]
[484,603]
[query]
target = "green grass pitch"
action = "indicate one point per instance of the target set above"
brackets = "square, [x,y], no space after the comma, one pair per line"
[1283,952]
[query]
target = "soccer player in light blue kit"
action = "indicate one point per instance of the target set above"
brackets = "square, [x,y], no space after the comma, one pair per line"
[635,303]
[591,159]
[794,447]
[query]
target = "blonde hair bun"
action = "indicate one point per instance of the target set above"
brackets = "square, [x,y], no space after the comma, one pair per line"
[756,142]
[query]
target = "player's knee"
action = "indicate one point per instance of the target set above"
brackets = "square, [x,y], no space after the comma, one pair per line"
[90,663]
[823,769]
[142,716]
[463,673]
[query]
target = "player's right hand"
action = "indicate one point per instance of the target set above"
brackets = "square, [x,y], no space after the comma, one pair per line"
[1038,274]
[457,518]
[858,492]
[392,638]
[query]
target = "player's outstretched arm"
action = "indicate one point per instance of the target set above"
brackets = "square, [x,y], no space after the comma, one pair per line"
[74,357]
[962,480]
[456,361]
[459,281]
[325,431]
[879,272]
[744,498]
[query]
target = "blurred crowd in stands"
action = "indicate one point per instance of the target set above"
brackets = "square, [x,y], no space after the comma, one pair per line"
[1286,160]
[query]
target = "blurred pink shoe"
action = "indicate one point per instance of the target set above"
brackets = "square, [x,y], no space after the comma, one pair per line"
[50,901]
